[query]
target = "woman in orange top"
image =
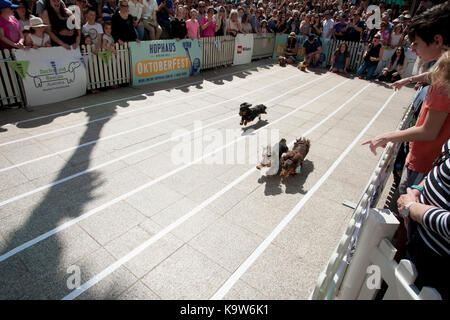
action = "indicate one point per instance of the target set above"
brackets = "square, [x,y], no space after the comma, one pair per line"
[430,132]
[432,129]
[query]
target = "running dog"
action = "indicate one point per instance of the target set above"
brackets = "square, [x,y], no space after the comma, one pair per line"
[282,61]
[292,159]
[249,114]
[272,157]
[302,66]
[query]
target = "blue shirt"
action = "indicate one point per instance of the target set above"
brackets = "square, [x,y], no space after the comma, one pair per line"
[164,17]
[311,47]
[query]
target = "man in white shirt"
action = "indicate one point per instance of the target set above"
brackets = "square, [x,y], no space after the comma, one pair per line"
[149,19]
[327,26]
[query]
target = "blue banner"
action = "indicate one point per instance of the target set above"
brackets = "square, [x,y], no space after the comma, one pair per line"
[164,60]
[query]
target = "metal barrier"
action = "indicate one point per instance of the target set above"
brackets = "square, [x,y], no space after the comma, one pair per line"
[10,89]
[330,279]
[217,51]
[114,72]
[263,45]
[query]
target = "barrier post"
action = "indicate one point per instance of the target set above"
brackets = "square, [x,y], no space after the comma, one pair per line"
[380,224]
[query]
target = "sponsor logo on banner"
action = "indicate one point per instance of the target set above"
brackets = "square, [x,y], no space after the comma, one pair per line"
[164,60]
[243,49]
[51,74]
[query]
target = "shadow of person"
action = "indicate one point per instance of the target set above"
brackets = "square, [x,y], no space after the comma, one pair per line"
[294,184]
[45,261]
[108,111]
[382,84]
[230,78]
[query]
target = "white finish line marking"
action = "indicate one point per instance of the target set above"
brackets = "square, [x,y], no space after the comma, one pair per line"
[142,187]
[137,128]
[263,246]
[125,112]
[185,217]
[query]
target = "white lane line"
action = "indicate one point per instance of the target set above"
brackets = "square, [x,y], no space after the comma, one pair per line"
[170,102]
[139,128]
[142,187]
[130,97]
[73,176]
[136,251]
[263,246]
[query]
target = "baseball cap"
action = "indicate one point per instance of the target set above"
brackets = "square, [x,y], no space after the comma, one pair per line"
[7,4]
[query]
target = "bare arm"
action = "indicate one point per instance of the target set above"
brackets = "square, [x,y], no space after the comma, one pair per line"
[430,129]
[50,32]
[18,45]
[424,77]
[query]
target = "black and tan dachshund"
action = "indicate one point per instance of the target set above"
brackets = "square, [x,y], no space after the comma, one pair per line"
[249,114]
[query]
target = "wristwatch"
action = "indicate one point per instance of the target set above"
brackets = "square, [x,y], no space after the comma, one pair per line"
[410,80]
[405,211]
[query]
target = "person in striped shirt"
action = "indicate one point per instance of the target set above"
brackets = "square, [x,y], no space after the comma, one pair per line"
[427,207]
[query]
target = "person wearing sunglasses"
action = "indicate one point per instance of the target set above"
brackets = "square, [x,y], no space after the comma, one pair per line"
[371,57]
[123,25]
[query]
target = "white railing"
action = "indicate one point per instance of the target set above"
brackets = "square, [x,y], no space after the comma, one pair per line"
[355,49]
[329,281]
[10,90]
[217,51]
[100,74]
[373,261]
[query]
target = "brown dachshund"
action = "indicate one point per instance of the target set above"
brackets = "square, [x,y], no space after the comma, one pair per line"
[294,158]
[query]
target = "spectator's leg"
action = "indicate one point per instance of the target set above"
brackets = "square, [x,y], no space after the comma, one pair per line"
[361,69]
[371,71]
[140,32]
[316,59]
[158,32]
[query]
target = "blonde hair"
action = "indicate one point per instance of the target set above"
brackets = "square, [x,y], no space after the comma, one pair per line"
[440,73]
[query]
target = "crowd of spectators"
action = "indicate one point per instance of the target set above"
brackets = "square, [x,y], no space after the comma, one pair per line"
[136,20]
[102,23]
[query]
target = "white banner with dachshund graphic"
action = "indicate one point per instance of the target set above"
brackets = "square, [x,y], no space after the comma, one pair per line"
[52,74]
[243,49]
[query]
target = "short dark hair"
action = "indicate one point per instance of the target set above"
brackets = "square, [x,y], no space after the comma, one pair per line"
[430,23]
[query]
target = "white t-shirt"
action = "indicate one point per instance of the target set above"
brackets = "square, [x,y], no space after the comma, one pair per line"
[94,32]
[135,9]
[327,26]
[149,7]
[40,42]
[108,40]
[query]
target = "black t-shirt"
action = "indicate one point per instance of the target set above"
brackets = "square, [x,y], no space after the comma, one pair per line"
[373,52]
[123,29]
[178,28]
[352,34]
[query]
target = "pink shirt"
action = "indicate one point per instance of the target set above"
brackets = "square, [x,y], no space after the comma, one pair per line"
[192,28]
[11,29]
[209,31]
